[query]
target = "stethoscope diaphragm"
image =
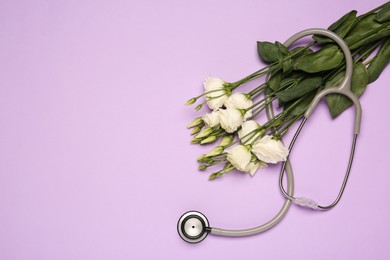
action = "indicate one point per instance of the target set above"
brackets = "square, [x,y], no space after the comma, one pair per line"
[193,226]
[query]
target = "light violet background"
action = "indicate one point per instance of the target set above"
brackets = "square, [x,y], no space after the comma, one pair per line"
[95,160]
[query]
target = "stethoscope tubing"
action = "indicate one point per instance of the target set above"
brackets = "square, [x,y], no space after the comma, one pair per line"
[197,218]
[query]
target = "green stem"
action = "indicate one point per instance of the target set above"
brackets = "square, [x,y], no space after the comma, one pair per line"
[259,109]
[285,129]
[369,51]
[257,90]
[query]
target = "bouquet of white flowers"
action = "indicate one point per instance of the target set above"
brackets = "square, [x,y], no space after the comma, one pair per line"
[295,76]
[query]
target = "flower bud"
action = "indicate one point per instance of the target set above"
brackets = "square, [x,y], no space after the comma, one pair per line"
[196,122]
[205,159]
[196,130]
[190,102]
[202,167]
[226,140]
[214,175]
[198,107]
[202,158]
[209,139]
[216,151]
[206,132]
[195,140]
[228,168]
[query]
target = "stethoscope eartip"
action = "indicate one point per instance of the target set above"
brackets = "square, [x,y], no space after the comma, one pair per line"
[193,227]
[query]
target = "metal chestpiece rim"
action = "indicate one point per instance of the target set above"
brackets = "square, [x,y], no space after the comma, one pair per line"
[193,227]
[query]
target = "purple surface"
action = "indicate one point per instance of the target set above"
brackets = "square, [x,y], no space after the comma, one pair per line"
[95,160]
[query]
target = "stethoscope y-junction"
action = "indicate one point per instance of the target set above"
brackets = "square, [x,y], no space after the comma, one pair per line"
[193,226]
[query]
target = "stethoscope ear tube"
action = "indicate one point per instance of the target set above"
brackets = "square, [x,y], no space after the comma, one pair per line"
[343,89]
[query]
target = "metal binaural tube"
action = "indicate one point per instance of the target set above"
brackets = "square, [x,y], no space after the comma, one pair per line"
[345,90]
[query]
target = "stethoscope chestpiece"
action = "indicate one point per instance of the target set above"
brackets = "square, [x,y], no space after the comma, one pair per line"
[193,227]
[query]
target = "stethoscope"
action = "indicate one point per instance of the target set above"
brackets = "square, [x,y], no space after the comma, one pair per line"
[193,226]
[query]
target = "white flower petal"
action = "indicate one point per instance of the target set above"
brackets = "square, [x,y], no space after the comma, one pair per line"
[238,101]
[269,150]
[218,96]
[254,166]
[243,160]
[215,103]
[239,156]
[248,114]
[247,132]
[213,83]
[230,119]
[211,119]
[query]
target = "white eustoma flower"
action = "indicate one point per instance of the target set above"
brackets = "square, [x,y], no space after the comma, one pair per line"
[240,101]
[230,119]
[241,158]
[248,131]
[211,119]
[270,150]
[217,97]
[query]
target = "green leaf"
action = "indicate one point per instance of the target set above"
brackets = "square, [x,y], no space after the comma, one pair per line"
[328,57]
[300,51]
[305,86]
[335,80]
[338,103]
[380,62]
[274,80]
[365,27]
[367,50]
[365,24]
[283,49]
[287,65]
[341,27]
[342,20]
[302,105]
[384,14]
[269,52]
[370,38]
[268,91]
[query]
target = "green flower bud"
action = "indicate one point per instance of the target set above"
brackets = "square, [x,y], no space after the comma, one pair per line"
[198,107]
[226,140]
[195,140]
[206,132]
[190,102]
[196,130]
[202,167]
[205,159]
[202,158]
[209,139]
[228,168]
[196,122]
[216,151]
[215,175]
